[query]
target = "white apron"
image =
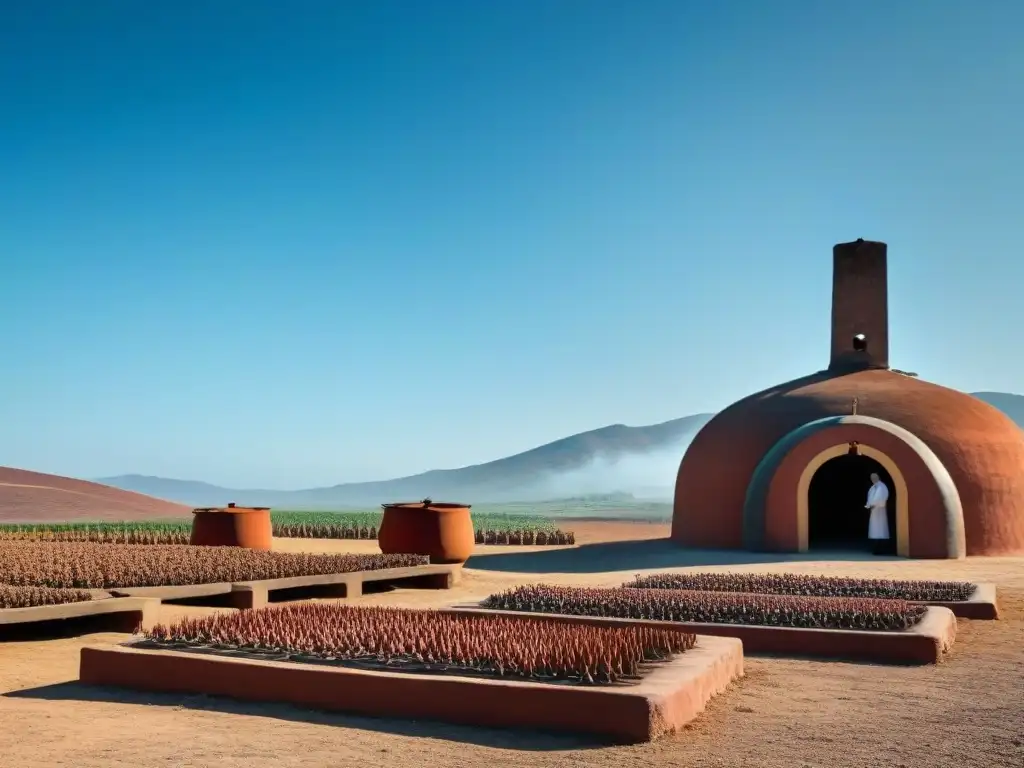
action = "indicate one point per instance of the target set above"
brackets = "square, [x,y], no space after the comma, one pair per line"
[878,522]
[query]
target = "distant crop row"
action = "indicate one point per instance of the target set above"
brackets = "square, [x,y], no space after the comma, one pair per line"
[112,566]
[713,607]
[427,641]
[493,529]
[815,586]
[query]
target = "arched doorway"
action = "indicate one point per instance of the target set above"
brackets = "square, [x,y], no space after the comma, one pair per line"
[783,478]
[836,517]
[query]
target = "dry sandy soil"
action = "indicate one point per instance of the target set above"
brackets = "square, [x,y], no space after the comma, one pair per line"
[786,713]
[38,497]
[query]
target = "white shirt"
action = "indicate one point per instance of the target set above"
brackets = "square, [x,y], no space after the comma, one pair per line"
[878,522]
[878,495]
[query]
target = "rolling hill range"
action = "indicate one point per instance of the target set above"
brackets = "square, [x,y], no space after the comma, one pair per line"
[566,467]
[35,496]
[532,475]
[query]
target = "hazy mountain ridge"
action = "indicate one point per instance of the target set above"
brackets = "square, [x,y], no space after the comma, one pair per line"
[532,474]
[613,459]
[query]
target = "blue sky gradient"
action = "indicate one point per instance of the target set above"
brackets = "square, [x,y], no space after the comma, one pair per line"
[338,241]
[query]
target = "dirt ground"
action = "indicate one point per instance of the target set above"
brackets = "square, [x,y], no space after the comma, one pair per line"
[786,713]
[36,497]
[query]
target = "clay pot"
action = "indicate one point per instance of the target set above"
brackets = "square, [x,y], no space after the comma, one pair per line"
[232,526]
[444,532]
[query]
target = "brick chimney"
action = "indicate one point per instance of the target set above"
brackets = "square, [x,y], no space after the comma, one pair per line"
[860,306]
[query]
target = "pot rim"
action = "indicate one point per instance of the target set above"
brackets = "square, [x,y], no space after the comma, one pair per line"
[441,505]
[227,510]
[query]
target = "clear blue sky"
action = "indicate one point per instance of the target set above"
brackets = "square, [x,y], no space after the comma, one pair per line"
[292,244]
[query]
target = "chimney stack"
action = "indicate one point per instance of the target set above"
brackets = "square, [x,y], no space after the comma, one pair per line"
[860,306]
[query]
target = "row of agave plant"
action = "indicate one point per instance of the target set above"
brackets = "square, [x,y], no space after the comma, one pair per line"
[430,641]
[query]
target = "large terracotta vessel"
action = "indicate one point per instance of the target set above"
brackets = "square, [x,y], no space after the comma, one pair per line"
[442,531]
[232,526]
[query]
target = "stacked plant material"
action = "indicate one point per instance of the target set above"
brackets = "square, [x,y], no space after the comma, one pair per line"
[325,531]
[506,537]
[426,641]
[817,586]
[109,566]
[713,607]
[31,597]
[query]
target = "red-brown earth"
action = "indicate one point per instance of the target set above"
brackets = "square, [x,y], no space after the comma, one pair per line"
[36,497]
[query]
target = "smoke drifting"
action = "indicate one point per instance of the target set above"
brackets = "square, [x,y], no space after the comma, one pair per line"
[649,475]
[617,474]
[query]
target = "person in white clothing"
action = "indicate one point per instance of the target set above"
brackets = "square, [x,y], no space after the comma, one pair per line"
[878,522]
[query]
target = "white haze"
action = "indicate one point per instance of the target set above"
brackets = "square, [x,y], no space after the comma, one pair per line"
[650,475]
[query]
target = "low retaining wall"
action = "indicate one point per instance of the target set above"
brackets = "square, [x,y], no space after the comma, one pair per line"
[256,594]
[981,605]
[925,643]
[113,614]
[666,699]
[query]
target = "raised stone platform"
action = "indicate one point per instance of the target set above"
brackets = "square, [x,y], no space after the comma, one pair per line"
[110,614]
[256,594]
[925,643]
[663,701]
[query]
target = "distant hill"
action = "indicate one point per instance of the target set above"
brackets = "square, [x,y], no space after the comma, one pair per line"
[37,497]
[523,477]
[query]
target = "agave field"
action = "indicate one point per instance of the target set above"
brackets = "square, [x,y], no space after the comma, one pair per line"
[32,597]
[802,612]
[489,529]
[517,536]
[816,586]
[99,533]
[110,566]
[426,641]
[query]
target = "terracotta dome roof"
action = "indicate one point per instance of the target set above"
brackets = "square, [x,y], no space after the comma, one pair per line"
[980,447]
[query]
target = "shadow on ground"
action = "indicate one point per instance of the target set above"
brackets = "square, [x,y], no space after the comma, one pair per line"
[58,629]
[522,740]
[640,555]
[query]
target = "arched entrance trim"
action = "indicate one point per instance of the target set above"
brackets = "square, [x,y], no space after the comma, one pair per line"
[835,451]
[775,512]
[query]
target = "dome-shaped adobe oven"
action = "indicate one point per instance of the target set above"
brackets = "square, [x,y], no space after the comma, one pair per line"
[956,464]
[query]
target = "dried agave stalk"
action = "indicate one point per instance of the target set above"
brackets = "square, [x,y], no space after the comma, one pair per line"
[32,597]
[713,607]
[817,586]
[110,566]
[419,640]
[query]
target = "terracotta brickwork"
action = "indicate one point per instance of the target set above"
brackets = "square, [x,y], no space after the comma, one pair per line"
[860,304]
